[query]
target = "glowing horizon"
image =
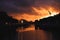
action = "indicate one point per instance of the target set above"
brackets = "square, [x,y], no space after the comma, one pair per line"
[42,13]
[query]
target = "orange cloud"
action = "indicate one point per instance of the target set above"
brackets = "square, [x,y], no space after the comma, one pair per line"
[42,13]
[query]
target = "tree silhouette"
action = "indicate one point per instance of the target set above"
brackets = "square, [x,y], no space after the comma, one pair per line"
[50,23]
[5,18]
[7,30]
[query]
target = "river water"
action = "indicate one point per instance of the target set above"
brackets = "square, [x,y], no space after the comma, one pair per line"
[31,34]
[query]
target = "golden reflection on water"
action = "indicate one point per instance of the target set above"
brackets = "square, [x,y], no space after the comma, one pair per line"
[30,28]
[37,34]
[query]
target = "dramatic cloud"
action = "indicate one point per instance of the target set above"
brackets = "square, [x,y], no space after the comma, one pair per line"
[19,7]
[24,6]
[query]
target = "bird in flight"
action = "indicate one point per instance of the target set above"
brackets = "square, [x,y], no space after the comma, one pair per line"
[49,12]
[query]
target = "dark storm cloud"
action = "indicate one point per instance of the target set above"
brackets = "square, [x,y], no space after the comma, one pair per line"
[24,3]
[57,4]
[24,6]
[44,3]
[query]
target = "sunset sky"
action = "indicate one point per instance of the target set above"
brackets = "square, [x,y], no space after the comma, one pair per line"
[30,10]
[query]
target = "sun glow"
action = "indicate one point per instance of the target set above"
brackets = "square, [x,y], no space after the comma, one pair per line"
[41,13]
[46,11]
[27,17]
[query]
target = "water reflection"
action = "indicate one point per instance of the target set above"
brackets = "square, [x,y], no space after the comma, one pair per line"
[32,34]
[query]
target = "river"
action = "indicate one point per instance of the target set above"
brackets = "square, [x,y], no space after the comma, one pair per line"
[31,34]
